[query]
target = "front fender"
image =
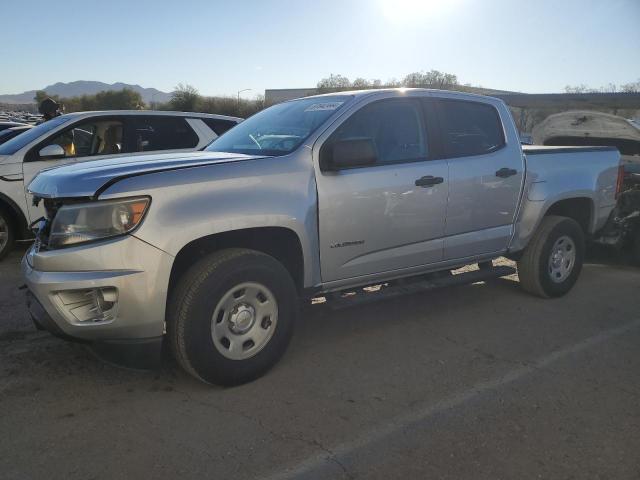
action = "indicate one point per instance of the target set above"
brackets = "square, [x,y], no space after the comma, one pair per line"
[193,203]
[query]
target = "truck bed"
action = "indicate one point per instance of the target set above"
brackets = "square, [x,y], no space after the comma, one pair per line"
[588,172]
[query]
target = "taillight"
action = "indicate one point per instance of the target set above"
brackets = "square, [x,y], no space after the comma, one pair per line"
[619,181]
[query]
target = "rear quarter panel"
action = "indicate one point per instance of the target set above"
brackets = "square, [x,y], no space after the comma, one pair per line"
[555,176]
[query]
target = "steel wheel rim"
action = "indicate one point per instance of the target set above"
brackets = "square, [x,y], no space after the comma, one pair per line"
[562,259]
[4,233]
[244,321]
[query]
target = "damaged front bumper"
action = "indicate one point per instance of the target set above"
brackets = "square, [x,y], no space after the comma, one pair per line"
[109,294]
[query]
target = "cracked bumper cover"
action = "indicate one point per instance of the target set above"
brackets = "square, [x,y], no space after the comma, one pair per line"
[138,272]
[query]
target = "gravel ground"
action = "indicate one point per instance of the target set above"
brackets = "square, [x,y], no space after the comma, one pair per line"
[481,381]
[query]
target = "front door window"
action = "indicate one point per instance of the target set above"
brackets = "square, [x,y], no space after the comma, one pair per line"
[92,138]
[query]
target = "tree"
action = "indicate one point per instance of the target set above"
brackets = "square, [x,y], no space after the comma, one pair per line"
[259,102]
[40,96]
[416,79]
[225,106]
[185,98]
[582,88]
[361,83]
[575,88]
[125,99]
[333,83]
[633,87]
[431,79]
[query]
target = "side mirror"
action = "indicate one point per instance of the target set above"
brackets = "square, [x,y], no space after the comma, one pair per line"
[350,153]
[52,151]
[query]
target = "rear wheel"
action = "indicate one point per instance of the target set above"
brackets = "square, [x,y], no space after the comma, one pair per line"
[551,263]
[7,233]
[231,316]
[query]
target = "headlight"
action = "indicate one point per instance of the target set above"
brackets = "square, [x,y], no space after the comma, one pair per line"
[85,222]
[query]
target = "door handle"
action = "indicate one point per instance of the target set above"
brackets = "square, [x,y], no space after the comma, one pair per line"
[506,172]
[428,181]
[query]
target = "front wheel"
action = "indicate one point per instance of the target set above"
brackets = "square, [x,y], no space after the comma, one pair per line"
[551,263]
[231,316]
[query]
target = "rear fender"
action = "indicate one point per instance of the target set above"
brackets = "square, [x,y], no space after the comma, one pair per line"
[538,203]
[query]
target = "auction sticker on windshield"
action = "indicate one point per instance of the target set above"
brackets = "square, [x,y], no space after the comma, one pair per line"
[318,107]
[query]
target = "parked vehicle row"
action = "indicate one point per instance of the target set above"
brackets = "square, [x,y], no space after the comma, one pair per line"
[90,135]
[20,117]
[211,251]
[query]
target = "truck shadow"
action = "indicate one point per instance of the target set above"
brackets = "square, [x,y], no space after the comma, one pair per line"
[32,361]
[603,255]
[36,361]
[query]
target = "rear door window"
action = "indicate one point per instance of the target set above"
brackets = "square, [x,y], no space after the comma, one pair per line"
[469,128]
[219,126]
[154,133]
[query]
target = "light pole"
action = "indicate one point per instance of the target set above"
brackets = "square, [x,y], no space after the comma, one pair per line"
[239,92]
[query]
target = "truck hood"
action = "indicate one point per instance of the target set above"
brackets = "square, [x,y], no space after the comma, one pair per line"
[86,179]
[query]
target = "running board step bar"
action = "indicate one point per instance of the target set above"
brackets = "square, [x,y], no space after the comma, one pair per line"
[350,298]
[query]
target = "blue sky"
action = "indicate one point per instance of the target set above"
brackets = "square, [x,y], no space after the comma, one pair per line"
[223,46]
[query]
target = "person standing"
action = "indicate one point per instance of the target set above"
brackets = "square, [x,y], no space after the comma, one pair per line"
[49,109]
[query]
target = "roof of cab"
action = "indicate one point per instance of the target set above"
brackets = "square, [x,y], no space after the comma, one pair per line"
[152,113]
[402,90]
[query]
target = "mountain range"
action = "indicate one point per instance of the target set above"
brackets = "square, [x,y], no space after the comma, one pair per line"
[85,87]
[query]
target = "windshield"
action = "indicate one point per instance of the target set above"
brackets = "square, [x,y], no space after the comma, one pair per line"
[280,129]
[15,144]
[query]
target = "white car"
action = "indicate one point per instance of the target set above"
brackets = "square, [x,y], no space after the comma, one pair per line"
[86,136]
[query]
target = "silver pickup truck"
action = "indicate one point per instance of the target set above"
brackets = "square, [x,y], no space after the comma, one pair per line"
[212,251]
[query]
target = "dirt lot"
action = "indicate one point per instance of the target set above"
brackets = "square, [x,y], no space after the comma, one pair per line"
[481,381]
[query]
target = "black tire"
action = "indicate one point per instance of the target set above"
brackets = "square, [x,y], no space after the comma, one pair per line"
[197,295]
[534,265]
[7,227]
